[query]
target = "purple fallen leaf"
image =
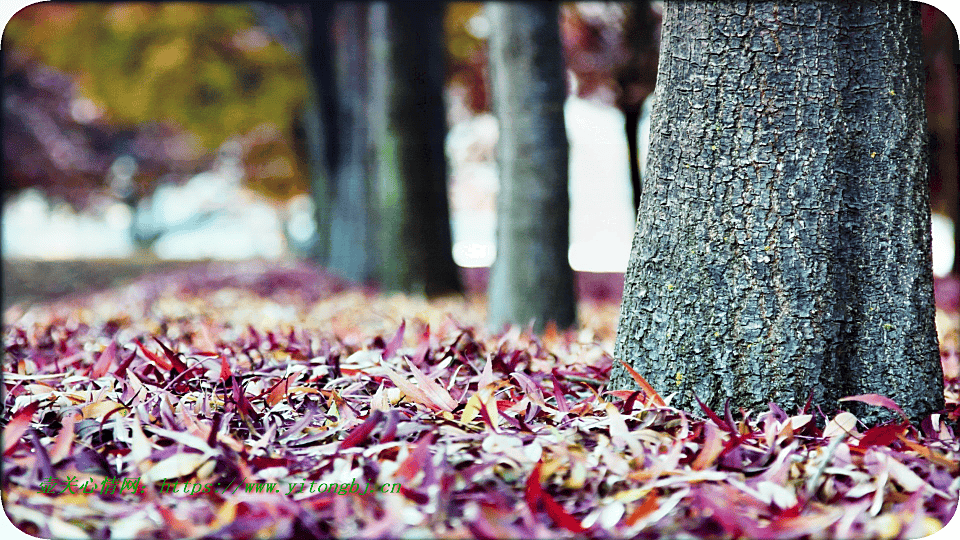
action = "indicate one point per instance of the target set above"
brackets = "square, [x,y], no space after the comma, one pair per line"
[879,401]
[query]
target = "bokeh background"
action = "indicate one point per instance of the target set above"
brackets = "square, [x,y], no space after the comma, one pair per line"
[144,136]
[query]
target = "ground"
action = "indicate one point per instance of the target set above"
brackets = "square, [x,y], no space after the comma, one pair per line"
[256,387]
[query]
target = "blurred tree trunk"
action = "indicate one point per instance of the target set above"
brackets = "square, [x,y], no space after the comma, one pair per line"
[351,213]
[531,278]
[782,246]
[408,124]
[940,65]
[637,79]
[305,30]
[320,123]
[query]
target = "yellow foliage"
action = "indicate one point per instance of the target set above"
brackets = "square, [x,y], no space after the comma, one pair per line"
[205,68]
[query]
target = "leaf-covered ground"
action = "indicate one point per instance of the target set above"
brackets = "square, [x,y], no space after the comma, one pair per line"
[237,376]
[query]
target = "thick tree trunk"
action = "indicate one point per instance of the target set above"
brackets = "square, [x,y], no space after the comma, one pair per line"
[531,277]
[782,246]
[352,219]
[408,121]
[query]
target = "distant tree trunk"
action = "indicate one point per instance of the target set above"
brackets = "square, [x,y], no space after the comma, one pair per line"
[940,66]
[531,278]
[315,133]
[352,219]
[320,124]
[636,79]
[783,239]
[408,123]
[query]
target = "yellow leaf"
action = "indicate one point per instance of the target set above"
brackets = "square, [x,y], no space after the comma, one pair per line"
[472,409]
[175,466]
[100,409]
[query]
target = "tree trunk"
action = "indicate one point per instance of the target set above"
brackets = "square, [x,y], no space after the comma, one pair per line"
[636,79]
[352,219]
[320,123]
[782,246]
[408,121]
[531,278]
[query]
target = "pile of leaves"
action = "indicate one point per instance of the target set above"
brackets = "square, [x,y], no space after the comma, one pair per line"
[235,377]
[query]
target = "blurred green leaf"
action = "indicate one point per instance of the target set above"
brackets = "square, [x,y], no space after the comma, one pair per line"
[205,68]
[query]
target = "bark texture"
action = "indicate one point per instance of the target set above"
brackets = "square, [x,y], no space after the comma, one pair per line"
[782,246]
[531,278]
[408,123]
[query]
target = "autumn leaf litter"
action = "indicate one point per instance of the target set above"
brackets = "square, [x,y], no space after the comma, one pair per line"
[280,374]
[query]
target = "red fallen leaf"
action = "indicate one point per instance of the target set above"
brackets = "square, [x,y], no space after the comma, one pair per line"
[644,385]
[504,404]
[530,387]
[390,430]
[395,342]
[225,371]
[792,511]
[240,398]
[879,401]
[214,428]
[713,416]
[255,337]
[417,459]
[883,435]
[415,496]
[631,399]
[155,358]
[124,364]
[178,365]
[264,462]
[536,496]
[728,416]
[102,364]
[280,390]
[13,433]
[360,433]
[732,444]
[174,524]
[649,504]
[562,404]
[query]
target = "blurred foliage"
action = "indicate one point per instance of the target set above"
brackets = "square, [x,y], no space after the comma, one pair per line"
[597,47]
[207,69]
[466,31]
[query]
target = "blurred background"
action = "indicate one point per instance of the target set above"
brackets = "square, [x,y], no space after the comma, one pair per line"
[142,136]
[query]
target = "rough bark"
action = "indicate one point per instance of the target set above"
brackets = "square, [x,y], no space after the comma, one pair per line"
[782,246]
[531,278]
[408,123]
